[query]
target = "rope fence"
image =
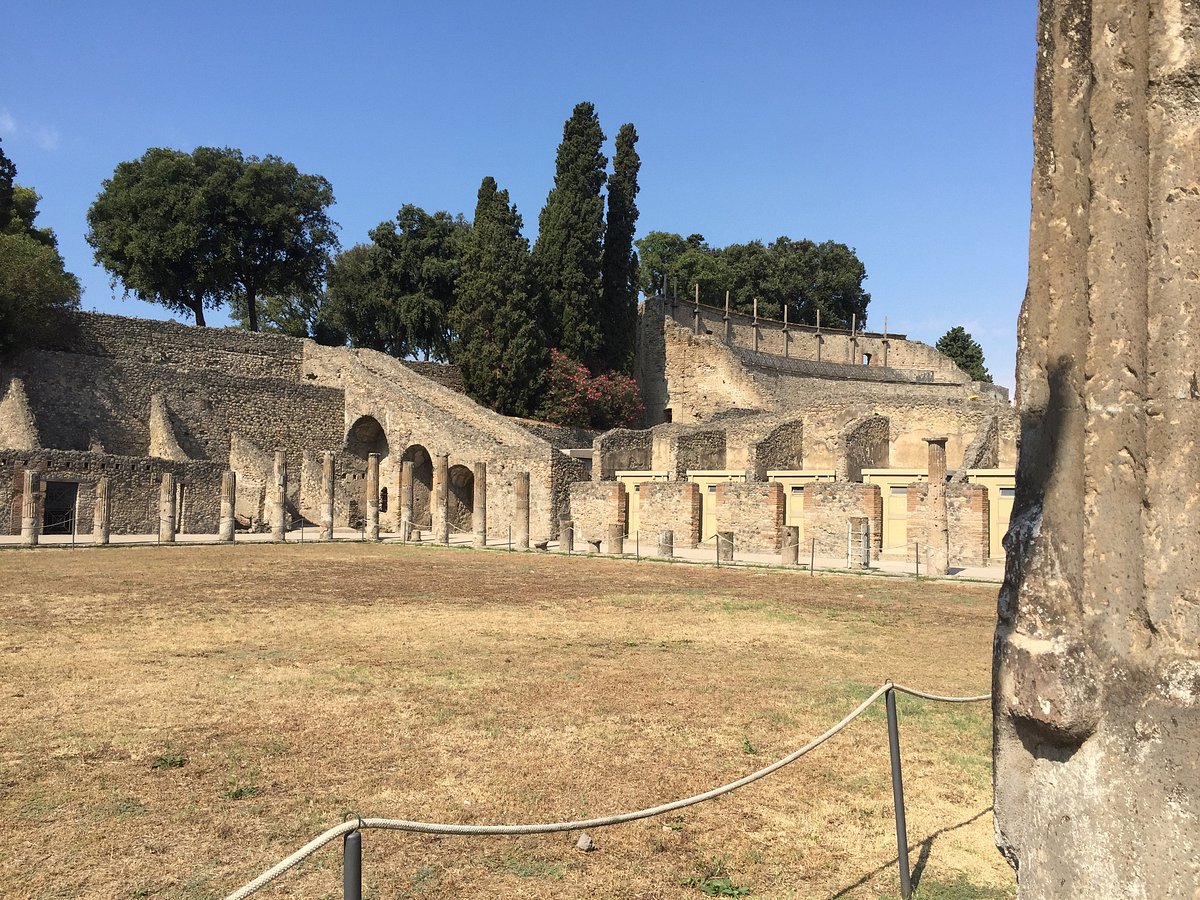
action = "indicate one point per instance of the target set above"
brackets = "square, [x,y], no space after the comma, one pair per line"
[350,830]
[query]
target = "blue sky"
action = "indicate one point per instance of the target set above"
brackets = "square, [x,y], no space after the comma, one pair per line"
[901,129]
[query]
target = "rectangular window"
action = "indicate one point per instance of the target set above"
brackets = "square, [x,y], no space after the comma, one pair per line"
[899,490]
[797,489]
[712,488]
[1008,492]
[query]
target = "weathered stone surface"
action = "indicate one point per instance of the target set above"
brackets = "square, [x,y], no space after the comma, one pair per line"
[937,525]
[1097,652]
[166,509]
[101,512]
[753,513]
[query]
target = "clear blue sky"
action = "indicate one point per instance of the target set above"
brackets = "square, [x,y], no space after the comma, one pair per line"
[901,129]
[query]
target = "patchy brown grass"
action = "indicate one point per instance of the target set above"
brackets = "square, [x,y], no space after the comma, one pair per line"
[178,719]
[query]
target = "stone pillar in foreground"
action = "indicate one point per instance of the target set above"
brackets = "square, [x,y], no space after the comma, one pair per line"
[615,544]
[1097,652]
[102,513]
[521,511]
[789,555]
[31,521]
[327,481]
[725,546]
[406,499]
[372,496]
[441,498]
[666,544]
[166,509]
[278,504]
[227,524]
[566,535]
[937,531]
[479,507]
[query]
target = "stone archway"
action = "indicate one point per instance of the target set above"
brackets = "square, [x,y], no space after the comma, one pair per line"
[366,436]
[422,487]
[460,504]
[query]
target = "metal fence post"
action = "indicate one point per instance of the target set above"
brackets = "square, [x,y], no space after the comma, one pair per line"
[352,865]
[812,558]
[917,557]
[898,796]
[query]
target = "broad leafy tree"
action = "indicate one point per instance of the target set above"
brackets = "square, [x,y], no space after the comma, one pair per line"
[194,231]
[36,293]
[500,346]
[958,344]
[619,269]
[568,251]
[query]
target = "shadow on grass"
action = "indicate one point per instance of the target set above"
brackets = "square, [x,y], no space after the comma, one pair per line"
[918,869]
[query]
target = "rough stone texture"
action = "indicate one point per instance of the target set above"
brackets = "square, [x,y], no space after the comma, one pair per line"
[446,375]
[1097,652]
[828,509]
[621,449]
[479,506]
[670,506]
[982,453]
[133,488]
[163,442]
[968,514]
[754,512]
[167,505]
[866,444]
[782,448]
[227,523]
[935,537]
[101,512]
[596,505]
[18,430]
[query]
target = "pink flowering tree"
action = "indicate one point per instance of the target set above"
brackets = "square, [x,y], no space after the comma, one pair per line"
[574,396]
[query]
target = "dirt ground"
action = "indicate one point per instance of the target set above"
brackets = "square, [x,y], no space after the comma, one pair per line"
[178,719]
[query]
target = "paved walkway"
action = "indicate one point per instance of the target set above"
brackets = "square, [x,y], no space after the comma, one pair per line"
[702,555]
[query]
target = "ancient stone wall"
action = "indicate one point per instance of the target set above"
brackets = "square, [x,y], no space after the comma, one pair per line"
[968,511]
[865,444]
[670,506]
[560,437]
[594,506]
[133,489]
[442,373]
[828,508]
[621,449]
[754,512]
[18,429]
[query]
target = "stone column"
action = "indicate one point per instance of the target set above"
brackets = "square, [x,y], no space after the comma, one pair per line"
[327,488]
[227,524]
[479,507]
[566,535]
[372,496]
[666,544]
[406,499]
[790,554]
[31,521]
[166,509]
[278,509]
[521,511]
[1096,681]
[725,546]
[101,513]
[616,539]
[937,531]
[860,543]
[441,498]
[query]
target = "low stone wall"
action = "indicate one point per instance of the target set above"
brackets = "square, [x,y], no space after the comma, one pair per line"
[443,373]
[968,513]
[670,506]
[828,508]
[134,484]
[621,449]
[754,513]
[594,506]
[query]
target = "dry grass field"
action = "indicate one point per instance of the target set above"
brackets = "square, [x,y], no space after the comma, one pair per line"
[178,719]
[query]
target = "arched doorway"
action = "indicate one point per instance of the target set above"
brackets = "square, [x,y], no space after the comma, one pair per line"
[366,436]
[422,484]
[460,503]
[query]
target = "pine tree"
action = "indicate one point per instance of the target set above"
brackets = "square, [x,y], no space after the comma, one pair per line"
[500,347]
[568,251]
[965,351]
[618,305]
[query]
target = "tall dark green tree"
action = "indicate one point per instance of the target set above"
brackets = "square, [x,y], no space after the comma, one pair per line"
[499,344]
[958,344]
[568,252]
[36,293]
[619,275]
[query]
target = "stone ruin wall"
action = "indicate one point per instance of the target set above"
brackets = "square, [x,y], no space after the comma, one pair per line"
[968,512]
[670,506]
[828,508]
[754,512]
[594,506]
[134,484]
[619,450]
[864,444]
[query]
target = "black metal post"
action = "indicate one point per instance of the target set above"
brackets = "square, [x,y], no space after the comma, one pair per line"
[352,866]
[898,796]
[718,544]
[812,558]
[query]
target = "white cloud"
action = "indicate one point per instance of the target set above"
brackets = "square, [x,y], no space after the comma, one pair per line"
[44,136]
[8,125]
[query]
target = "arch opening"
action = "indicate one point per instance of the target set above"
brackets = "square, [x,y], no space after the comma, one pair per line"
[460,503]
[422,486]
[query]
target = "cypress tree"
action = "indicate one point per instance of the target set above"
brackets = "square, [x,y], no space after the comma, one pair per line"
[500,347]
[568,251]
[618,305]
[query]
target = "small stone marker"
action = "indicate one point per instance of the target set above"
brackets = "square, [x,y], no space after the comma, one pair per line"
[585,843]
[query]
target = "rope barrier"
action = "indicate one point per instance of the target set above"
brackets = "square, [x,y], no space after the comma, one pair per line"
[359,823]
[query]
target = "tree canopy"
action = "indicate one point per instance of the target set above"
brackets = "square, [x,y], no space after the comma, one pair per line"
[36,292]
[195,231]
[568,253]
[958,344]
[619,267]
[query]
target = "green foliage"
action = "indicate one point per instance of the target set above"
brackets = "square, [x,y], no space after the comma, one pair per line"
[807,276]
[194,231]
[619,266]
[568,253]
[37,294]
[500,347]
[304,316]
[169,759]
[575,397]
[958,344]
[712,879]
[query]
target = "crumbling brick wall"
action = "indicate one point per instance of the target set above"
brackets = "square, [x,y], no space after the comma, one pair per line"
[754,512]
[865,443]
[621,449]
[828,508]
[670,506]
[968,513]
